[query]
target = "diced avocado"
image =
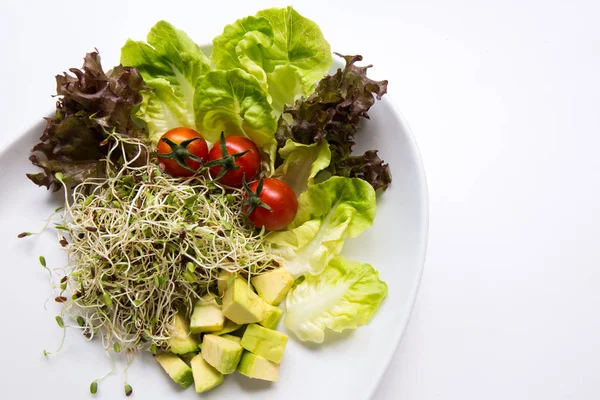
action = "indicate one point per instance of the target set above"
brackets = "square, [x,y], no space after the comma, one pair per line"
[229,327]
[264,342]
[223,354]
[236,339]
[188,356]
[176,368]
[207,316]
[205,376]
[241,304]
[274,285]
[272,316]
[224,281]
[256,367]
[181,340]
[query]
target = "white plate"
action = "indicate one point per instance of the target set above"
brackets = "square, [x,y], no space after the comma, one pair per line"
[348,366]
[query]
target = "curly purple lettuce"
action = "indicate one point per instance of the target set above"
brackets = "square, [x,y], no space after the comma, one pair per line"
[93,104]
[333,112]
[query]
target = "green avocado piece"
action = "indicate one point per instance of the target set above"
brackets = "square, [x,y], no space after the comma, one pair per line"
[236,339]
[264,342]
[205,376]
[241,304]
[274,285]
[223,281]
[188,356]
[256,367]
[176,368]
[272,316]
[207,316]
[181,340]
[229,327]
[223,354]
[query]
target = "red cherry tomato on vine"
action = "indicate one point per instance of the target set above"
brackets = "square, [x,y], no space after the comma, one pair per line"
[270,203]
[242,160]
[182,151]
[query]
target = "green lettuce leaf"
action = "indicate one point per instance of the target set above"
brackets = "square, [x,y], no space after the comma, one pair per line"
[301,163]
[298,41]
[286,52]
[92,103]
[239,46]
[334,112]
[328,212]
[286,85]
[234,102]
[345,296]
[171,64]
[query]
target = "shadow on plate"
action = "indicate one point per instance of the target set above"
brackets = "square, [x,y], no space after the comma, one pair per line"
[331,338]
[252,385]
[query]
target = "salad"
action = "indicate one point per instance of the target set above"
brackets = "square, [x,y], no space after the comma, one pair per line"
[206,193]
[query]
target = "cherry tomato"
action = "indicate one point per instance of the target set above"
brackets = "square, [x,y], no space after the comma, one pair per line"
[241,161]
[182,151]
[271,203]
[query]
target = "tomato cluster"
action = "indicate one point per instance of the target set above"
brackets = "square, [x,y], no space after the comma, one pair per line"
[234,160]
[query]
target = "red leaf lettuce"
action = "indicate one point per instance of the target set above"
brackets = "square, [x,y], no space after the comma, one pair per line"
[333,112]
[93,104]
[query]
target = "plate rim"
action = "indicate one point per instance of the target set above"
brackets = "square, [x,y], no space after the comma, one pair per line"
[424,241]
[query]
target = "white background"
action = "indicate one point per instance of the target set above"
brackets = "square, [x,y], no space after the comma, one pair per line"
[503,98]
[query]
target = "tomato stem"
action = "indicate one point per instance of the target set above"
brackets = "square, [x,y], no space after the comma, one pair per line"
[227,161]
[253,199]
[179,153]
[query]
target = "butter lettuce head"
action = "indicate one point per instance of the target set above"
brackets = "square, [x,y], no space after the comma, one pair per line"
[344,296]
[239,46]
[171,64]
[301,163]
[286,52]
[328,213]
[234,102]
[297,41]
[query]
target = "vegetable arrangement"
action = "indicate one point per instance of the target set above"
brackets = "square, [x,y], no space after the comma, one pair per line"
[201,193]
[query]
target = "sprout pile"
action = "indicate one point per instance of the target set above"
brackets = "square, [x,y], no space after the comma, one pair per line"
[143,246]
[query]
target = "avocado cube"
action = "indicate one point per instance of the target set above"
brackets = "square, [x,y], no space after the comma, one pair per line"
[256,367]
[236,339]
[264,342]
[223,354]
[229,327]
[223,281]
[181,340]
[205,376]
[272,316]
[274,285]
[241,304]
[188,356]
[176,368]
[207,316]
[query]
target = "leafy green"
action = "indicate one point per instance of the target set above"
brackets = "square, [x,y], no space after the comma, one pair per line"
[286,85]
[297,41]
[345,296]
[238,46]
[328,212]
[333,112]
[301,163]
[171,64]
[286,52]
[234,102]
[93,103]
